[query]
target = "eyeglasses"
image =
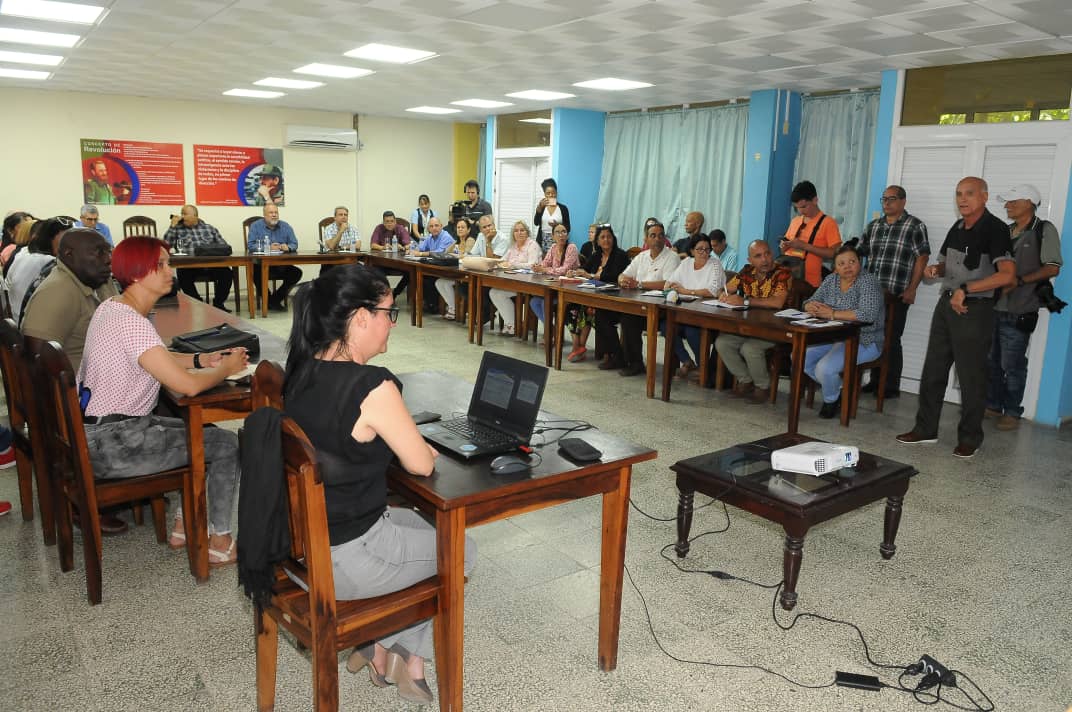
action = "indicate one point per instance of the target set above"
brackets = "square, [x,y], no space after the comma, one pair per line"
[890,199]
[701,250]
[66,222]
[392,312]
[603,226]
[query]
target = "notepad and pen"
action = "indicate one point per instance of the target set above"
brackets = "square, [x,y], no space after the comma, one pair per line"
[723,305]
[792,314]
[815,323]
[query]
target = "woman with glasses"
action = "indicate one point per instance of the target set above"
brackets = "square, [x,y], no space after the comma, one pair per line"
[606,264]
[123,366]
[698,276]
[523,254]
[353,413]
[559,260]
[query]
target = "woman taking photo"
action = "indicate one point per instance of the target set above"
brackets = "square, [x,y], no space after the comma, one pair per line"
[849,294]
[523,254]
[353,414]
[123,367]
[696,276]
[559,260]
[549,212]
[418,221]
[606,264]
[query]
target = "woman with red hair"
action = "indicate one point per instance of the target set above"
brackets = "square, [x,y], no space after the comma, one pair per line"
[125,363]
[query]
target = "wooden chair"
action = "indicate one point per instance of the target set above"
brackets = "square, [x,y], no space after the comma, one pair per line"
[73,484]
[882,363]
[245,228]
[27,432]
[140,226]
[312,615]
[634,251]
[323,225]
[5,299]
[404,223]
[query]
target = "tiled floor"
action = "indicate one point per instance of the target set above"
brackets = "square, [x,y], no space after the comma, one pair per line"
[979,581]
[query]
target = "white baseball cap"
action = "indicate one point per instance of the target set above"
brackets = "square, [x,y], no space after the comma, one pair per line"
[1021,192]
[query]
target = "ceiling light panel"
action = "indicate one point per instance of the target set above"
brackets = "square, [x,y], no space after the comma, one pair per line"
[389,53]
[612,84]
[482,103]
[540,95]
[336,71]
[254,93]
[50,60]
[48,10]
[24,73]
[31,37]
[434,110]
[288,83]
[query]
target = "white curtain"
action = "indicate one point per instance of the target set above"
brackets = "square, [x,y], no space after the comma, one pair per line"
[667,164]
[837,136]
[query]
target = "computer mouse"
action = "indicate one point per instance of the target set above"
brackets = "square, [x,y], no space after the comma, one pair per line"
[508,464]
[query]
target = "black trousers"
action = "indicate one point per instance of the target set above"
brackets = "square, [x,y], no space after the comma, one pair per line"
[633,328]
[963,341]
[607,339]
[289,275]
[219,276]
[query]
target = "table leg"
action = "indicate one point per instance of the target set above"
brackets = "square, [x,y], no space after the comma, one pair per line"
[194,509]
[418,304]
[251,293]
[411,295]
[548,325]
[705,357]
[794,554]
[668,352]
[612,566]
[848,377]
[653,346]
[471,292]
[237,290]
[560,329]
[892,522]
[796,386]
[478,309]
[684,521]
[449,622]
[264,289]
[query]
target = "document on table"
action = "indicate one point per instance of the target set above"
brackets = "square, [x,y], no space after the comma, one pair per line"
[653,293]
[818,323]
[792,314]
[722,305]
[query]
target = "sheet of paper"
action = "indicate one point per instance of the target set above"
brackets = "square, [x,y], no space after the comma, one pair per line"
[721,304]
[818,323]
[792,314]
[653,293]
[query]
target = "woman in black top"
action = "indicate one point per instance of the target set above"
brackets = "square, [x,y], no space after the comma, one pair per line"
[606,264]
[354,415]
[549,212]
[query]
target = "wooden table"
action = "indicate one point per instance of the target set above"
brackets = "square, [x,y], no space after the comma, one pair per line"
[625,301]
[296,258]
[762,324]
[536,285]
[231,261]
[464,494]
[458,274]
[227,401]
[395,261]
[742,476]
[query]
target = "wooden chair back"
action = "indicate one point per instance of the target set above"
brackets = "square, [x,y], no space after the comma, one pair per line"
[882,363]
[267,385]
[634,251]
[5,299]
[27,432]
[74,486]
[404,223]
[245,227]
[323,225]
[139,226]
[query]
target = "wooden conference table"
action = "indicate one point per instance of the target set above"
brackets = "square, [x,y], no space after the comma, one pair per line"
[763,324]
[233,262]
[463,494]
[295,258]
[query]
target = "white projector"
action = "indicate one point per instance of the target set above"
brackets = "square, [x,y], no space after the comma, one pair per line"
[815,458]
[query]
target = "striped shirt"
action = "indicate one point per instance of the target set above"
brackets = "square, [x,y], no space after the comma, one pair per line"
[891,250]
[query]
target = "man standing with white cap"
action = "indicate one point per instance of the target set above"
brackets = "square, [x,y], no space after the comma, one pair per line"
[1036,247]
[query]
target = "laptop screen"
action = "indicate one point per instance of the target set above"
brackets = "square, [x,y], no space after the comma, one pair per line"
[508,393]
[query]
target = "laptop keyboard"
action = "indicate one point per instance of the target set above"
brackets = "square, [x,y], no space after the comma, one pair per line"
[478,434]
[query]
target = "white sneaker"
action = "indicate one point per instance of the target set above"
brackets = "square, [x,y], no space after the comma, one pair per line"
[508,330]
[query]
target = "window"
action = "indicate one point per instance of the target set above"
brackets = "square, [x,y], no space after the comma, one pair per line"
[526,130]
[1004,91]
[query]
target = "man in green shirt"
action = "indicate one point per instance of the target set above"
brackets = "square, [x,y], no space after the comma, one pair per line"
[97,190]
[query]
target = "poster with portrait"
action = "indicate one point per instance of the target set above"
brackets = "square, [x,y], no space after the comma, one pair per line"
[116,172]
[233,175]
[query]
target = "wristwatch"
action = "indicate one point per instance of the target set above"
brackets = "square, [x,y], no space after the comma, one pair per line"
[197,360]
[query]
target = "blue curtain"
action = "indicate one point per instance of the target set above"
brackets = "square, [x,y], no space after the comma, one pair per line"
[667,164]
[837,137]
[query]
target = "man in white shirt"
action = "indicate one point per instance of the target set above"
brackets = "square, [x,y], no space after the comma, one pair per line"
[499,243]
[649,270]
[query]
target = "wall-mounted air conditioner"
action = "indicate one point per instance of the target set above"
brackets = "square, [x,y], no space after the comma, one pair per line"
[322,138]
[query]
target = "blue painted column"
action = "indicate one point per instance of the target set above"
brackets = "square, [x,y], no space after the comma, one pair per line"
[770,155]
[577,164]
[1055,393]
[880,161]
[487,181]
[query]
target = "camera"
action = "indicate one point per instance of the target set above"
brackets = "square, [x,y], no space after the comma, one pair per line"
[458,210]
[1047,297]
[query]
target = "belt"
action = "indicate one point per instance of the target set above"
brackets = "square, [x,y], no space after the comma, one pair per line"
[102,419]
[949,293]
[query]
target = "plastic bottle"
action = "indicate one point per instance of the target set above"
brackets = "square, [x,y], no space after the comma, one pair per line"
[394,243]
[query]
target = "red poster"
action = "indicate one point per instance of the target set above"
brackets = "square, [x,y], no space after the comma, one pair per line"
[132,172]
[233,175]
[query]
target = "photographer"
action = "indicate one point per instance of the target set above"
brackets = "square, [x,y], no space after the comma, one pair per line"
[476,207]
[1036,248]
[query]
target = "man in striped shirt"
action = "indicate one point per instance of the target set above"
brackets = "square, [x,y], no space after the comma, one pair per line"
[897,249]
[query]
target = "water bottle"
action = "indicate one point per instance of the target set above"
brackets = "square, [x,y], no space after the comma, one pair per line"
[394,243]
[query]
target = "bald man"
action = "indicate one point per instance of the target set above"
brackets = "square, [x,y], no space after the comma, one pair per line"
[974,264]
[694,222]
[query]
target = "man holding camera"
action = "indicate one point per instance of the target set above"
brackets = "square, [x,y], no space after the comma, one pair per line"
[476,207]
[1036,247]
[188,232]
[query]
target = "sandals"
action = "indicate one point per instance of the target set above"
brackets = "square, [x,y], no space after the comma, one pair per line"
[577,355]
[217,559]
[362,657]
[449,316]
[177,540]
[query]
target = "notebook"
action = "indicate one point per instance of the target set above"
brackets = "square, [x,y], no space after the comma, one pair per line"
[502,411]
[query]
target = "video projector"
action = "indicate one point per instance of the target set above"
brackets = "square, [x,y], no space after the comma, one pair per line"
[815,458]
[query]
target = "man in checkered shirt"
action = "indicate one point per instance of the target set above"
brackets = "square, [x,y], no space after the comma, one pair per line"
[897,250]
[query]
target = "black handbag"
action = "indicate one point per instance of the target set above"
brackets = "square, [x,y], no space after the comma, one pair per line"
[217,338]
[212,250]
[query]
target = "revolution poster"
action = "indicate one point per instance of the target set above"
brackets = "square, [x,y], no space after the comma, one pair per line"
[233,175]
[116,172]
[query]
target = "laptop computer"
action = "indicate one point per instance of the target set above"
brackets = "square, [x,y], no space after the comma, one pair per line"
[502,410]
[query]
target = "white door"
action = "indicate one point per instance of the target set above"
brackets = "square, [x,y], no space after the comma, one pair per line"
[517,189]
[928,161]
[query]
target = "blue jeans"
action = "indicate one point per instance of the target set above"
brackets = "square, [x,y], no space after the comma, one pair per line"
[825,362]
[681,334]
[536,304]
[1008,366]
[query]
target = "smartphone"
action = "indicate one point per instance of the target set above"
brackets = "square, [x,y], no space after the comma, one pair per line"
[552,202]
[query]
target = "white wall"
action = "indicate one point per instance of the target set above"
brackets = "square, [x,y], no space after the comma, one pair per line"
[41,132]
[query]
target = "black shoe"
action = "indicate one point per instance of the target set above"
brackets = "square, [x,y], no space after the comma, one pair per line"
[276,305]
[830,410]
[871,387]
[221,307]
[891,394]
[633,369]
[611,364]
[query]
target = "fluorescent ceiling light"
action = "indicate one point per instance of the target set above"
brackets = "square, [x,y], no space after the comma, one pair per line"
[434,110]
[333,70]
[24,73]
[254,93]
[612,84]
[47,10]
[540,95]
[288,83]
[389,53]
[535,121]
[49,39]
[481,103]
[50,60]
